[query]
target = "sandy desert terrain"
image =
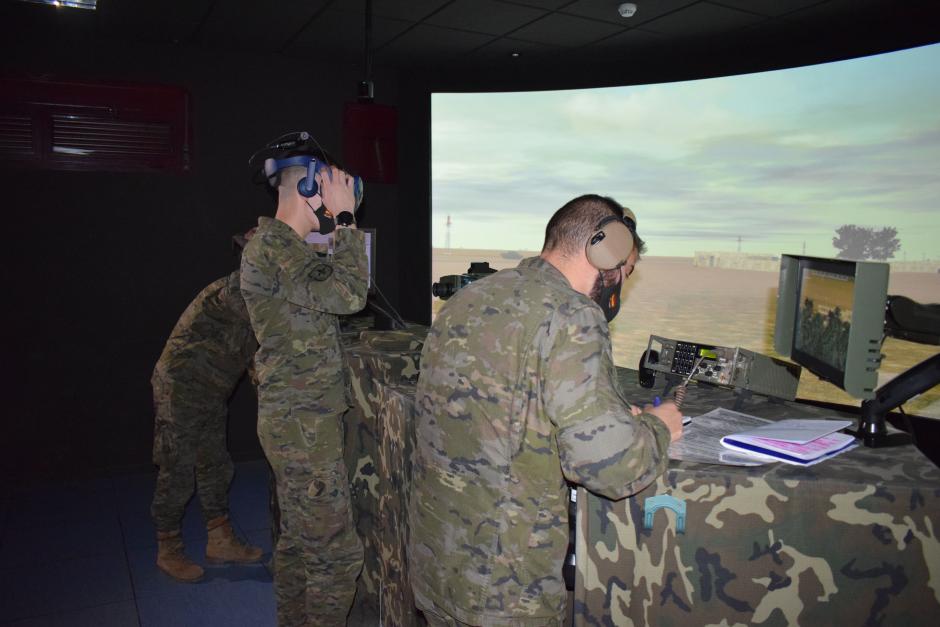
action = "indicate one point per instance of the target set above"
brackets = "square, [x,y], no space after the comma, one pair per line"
[669,296]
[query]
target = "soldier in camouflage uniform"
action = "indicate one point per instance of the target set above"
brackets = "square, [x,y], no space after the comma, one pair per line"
[206,355]
[517,393]
[294,297]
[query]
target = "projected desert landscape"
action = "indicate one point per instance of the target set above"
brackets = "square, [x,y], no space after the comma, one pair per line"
[670,296]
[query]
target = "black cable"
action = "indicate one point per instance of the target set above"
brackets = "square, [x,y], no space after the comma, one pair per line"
[368,41]
[397,317]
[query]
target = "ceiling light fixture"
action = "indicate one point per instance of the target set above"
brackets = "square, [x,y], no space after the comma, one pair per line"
[627,9]
[71,4]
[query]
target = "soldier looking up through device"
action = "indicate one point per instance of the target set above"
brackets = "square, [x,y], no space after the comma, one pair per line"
[293,297]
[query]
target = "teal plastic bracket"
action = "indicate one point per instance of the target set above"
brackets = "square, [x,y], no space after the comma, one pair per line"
[655,503]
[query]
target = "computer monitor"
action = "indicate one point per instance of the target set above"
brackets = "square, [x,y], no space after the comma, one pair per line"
[831,319]
[327,240]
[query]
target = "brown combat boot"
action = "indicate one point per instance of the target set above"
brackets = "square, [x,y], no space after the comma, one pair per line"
[224,545]
[173,561]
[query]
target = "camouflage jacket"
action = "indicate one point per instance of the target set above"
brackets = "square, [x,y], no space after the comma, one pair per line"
[517,393]
[293,296]
[212,343]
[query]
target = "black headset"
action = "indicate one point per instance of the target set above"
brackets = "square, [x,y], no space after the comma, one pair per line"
[612,242]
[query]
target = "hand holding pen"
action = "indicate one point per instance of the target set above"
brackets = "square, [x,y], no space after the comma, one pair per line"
[667,412]
[658,401]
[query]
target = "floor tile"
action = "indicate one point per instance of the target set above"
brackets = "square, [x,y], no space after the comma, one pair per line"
[122,614]
[245,603]
[50,540]
[89,499]
[68,585]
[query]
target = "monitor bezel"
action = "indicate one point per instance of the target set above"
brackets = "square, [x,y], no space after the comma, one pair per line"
[859,377]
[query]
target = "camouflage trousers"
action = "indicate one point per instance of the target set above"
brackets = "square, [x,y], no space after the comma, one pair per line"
[437,616]
[189,446]
[318,555]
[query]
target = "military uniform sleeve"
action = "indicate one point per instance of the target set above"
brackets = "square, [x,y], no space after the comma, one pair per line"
[337,287]
[601,445]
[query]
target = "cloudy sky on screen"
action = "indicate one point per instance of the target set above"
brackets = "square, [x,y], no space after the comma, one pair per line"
[779,159]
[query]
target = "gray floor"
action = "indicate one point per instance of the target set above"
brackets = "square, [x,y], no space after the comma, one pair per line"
[82,553]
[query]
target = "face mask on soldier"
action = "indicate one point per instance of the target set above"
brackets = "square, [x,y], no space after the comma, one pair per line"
[606,292]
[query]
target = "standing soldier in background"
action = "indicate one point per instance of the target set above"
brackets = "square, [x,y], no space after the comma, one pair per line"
[517,394]
[206,355]
[293,296]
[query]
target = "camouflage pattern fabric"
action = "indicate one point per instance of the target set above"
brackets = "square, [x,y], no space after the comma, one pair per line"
[517,392]
[850,541]
[201,363]
[393,466]
[293,298]
[380,435]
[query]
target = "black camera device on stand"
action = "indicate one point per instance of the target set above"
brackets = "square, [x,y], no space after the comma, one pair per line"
[448,285]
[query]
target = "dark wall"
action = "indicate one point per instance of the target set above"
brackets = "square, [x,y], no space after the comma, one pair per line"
[100,265]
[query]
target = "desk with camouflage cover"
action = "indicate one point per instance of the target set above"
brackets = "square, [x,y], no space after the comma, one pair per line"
[850,541]
[383,368]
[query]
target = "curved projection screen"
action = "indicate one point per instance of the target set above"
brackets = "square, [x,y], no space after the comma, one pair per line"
[724,175]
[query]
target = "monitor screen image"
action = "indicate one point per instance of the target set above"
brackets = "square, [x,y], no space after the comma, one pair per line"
[725,175]
[824,318]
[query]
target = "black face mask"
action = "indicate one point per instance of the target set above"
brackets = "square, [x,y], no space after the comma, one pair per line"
[324,217]
[607,296]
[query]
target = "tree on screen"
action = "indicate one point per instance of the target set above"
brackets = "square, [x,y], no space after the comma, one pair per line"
[860,242]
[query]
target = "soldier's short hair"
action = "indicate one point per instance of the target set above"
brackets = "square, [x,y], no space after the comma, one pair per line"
[571,226]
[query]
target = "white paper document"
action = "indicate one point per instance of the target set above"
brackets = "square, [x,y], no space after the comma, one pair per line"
[701,439]
[795,430]
[802,442]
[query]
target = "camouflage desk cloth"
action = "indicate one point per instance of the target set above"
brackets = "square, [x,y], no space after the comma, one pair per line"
[850,541]
[383,368]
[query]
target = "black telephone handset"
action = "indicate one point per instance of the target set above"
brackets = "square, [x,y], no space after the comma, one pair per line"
[647,376]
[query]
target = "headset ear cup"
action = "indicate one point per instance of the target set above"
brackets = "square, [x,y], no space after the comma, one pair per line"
[307,186]
[610,245]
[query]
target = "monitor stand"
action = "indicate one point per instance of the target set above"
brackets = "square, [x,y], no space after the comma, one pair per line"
[872,428]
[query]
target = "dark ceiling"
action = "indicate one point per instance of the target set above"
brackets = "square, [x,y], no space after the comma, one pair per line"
[545,37]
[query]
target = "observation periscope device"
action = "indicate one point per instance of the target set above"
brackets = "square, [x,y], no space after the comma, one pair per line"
[299,149]
[307,186]
[724,366]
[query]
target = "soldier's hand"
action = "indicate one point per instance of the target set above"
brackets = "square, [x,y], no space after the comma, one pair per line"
[338,191]
[670,415]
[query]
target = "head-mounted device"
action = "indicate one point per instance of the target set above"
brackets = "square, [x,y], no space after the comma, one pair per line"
[298,150]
